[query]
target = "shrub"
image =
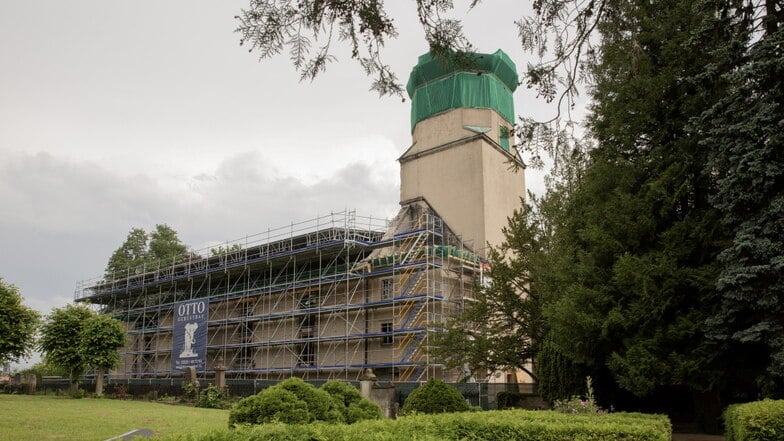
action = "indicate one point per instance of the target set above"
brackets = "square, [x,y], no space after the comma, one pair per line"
[351,403]
[576,404]
[190,392]
[246,411]
[212,397]
[280,405]
[755,421]
[291,401]
[522,425]
[435,396]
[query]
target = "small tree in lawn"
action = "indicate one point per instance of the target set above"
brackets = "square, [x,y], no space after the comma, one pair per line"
[75,338]
[100,338]
[60,341]
[17,324]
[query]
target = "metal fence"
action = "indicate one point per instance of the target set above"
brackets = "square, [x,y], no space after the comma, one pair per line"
[482,395]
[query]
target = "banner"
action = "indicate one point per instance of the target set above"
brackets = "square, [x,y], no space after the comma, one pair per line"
[189,347]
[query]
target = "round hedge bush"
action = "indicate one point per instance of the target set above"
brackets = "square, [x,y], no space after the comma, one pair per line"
[351,403]
[435,396]
[294,401]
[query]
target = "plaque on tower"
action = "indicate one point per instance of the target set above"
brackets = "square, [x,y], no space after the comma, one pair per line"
[190,335]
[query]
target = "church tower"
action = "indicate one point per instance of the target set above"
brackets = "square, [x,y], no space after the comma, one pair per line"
[462,161]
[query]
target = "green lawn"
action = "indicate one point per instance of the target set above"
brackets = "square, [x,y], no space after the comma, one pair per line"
[35,417]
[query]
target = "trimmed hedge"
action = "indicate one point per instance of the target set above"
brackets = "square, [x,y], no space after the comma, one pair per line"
[435,396]
[294,401]
[755,421]
[503,425]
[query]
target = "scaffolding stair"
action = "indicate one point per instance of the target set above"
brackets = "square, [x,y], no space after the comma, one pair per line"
[411,314]
[410,344]
[412,373]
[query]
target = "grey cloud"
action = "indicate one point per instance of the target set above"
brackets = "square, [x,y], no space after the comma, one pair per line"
[63,218]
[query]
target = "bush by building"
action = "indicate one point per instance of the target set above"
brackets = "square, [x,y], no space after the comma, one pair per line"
[213,397]
[523,425]
[435,396]
[756,421]
[294,401]
[350,402]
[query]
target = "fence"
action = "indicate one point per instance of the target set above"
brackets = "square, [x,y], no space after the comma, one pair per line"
[482,395]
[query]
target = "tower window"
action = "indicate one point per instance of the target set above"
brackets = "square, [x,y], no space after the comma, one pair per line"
[503,137]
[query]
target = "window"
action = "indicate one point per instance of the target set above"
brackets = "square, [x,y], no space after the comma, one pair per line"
[386,339]
[503,137]
[386,289]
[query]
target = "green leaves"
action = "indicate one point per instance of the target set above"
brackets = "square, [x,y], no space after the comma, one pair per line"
[143,252]
[501,327]
[75,338]
[17,324]
[60,338]
[99,339]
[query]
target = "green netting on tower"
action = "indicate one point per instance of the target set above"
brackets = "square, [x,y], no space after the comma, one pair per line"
[487,81]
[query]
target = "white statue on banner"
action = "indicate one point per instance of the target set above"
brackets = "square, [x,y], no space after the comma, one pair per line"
[190,340]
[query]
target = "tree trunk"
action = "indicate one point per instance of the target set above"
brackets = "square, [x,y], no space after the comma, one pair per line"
[99,383]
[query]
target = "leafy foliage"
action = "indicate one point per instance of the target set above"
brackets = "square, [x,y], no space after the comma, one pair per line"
[559,376]
[43,369]
[490,426]
[99,339]
[217,251]
[212,397]
[633,304]
[60,341]
[142,251]
[758,421]
[17,324]
[351,403]
[435,396]
[294,401]
[74,338]
[577,404]
[270,27]
[745,137]
[501,329]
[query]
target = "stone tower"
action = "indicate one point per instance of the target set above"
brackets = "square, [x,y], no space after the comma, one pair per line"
[461,160]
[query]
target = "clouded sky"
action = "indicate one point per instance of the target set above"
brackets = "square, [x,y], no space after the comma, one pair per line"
[116,115]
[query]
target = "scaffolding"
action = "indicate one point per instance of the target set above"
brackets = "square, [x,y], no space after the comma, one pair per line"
[322,299]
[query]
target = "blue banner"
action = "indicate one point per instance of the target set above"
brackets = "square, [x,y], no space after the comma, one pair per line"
[189,346]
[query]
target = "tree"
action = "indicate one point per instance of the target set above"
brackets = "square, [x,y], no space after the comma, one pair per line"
[17,324]
[60,340]
[642,281]
[142,251]
[100,338]
[274,26]
[164,244]
[745,137]
[501,328]
[131,254]
[75,338]
[675,225]
[220,250]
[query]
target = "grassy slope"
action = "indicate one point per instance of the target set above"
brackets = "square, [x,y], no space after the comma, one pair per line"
[25,417]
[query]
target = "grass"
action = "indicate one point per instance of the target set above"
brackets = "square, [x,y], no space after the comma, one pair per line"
[36,417]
